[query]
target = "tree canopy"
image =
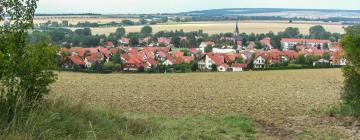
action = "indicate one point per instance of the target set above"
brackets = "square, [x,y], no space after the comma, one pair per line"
[351,92]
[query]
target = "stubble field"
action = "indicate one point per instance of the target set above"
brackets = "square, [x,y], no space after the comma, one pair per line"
[272,96]
[228,26]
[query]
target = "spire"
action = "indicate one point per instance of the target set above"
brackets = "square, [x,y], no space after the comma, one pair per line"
[237,32]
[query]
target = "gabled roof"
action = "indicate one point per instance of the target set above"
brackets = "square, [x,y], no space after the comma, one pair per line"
[163,54]
[94,57]
[114,50]
[178,54]
[291,54]
[166,49]
[152,61]
[163,40]
[80,51]
[185,59]
[217,58]
[193,50]
[77,60]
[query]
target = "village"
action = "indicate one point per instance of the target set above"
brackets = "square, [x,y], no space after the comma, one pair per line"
[295,52]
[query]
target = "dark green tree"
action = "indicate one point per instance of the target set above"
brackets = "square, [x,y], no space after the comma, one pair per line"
[25,70]
[319,32]
[146,30]
[351,90]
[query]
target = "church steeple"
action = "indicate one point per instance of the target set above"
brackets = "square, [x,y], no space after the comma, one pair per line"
[237,31]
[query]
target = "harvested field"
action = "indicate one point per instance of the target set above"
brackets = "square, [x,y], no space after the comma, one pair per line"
[270,95]
[76,19]
[223,27]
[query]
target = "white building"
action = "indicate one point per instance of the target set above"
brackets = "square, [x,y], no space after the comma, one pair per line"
[259,62]
[210,59]
[223,51]
[290,43]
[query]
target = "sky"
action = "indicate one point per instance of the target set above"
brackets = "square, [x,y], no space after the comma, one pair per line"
[173,6]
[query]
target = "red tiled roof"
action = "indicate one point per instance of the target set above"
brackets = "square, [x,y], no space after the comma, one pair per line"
[163,40]
[178,54]
[80,51]
[218,59]
[163,54]
[193,50]
[185,59]
[291,54]
[94,57]
[172,59]
[152,61]
[230,57]
[114,50]
[77,60]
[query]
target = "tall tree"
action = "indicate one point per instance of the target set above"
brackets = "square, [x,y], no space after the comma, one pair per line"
[318,32]
[146,30]
[25,70]
[351,92]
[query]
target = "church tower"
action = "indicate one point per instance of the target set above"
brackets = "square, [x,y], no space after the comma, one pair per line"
[237,38]
[237,31]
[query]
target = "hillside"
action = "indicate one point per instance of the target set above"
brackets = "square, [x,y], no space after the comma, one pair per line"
[286,13]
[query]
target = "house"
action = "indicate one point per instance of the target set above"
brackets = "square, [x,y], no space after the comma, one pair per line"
[290,43]
[78,51]
[223,67]
[135,64]
[109,44]
[237,67]
[203,45]
[163,40]
[76,60]
[193,51]
[124,41]
[178,54]
[267,42]
[170,60]
[217,50]
[162,55]
[259,62]
[338,58]
[290,55]
[206,44]
[210,59]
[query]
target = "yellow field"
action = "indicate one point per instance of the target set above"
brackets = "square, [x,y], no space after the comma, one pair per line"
[272,96]
[77,19]
[223,27]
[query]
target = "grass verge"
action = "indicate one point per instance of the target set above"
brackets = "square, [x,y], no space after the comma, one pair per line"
[63,120]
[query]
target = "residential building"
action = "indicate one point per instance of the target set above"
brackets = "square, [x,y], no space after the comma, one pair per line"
[291,43]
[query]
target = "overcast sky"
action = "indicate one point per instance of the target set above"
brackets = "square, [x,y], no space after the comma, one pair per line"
[172,6]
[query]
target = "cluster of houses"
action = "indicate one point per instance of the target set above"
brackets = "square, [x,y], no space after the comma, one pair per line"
[225,59]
